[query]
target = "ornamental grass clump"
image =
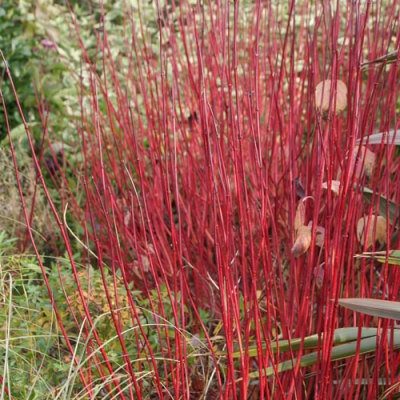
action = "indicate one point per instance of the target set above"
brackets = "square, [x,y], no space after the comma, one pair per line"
[200,134]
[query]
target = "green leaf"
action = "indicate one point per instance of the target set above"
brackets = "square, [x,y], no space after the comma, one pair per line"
[33,267]
[367,345]
[382,137]
[19,130]
[375,307]
[393,257]
[341,335]
[384,203]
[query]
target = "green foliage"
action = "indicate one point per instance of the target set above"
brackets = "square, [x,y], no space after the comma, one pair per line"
[28,347]
[33,349]
[21,52]
[43,59]
[351,348]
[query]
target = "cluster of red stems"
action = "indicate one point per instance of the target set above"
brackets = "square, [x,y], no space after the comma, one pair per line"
[216,167]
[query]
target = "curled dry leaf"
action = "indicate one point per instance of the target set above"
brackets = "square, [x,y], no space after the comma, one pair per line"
[335,186]
[303,241]
[380,230]
[319,273]
[365,162]
[300,216]
[320,236]
[299,188]
[328,89]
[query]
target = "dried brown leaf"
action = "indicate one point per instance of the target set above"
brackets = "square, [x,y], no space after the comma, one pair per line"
[303,241]
[365,163]
[319,273]
[325,90]
[335,186]
[320,236]
[380,230]
[300,216]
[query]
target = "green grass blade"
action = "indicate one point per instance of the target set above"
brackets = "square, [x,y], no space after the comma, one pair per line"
[393,256]
[367,345]
[382,137]
[341,335]
[375,307]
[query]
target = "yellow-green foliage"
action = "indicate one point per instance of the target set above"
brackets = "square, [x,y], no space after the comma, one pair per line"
[32,347]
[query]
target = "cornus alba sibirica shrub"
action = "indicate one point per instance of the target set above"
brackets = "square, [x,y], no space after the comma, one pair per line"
[224,180]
